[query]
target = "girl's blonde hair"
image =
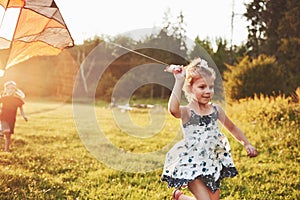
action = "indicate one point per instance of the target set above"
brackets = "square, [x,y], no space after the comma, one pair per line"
[198,68]
[17,92]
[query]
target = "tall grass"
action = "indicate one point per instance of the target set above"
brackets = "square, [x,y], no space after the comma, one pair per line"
[272,124]
[49,160]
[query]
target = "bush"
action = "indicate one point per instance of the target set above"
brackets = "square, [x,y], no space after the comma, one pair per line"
[271,122]
[249,77]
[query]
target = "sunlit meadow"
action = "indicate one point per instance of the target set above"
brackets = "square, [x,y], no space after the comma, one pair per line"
[49,161]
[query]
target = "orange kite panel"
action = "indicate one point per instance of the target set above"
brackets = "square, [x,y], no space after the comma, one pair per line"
[24,51]
[40,31]
[35,23]
[12,3]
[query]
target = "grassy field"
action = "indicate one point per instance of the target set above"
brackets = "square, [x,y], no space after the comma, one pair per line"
[49,159]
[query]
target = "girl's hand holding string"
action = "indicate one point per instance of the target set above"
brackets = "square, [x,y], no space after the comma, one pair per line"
[177,70]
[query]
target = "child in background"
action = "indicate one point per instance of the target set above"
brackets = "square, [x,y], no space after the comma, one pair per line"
[203,158]
[11,99]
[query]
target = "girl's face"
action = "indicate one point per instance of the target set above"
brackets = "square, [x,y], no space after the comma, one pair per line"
[203,89]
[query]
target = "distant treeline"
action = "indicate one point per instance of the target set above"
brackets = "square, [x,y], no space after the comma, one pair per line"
[269,62]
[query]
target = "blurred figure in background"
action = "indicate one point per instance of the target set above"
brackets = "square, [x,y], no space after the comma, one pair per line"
[11,99]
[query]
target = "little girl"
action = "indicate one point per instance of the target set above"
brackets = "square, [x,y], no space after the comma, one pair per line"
[202,159]
[11,99]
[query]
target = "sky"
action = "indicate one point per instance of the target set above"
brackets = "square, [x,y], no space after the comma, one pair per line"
[204,18]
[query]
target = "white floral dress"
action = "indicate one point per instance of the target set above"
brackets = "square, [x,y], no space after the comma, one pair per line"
[204,153]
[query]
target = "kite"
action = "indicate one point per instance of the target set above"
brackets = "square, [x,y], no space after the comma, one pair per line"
[31,28]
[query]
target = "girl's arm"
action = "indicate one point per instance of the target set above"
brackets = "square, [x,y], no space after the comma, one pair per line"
[236,132]
[23,113]
[174,100]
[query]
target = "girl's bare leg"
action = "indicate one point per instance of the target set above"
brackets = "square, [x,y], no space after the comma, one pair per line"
[7,140]
[185,197]
[214,196]
[181,197]
[199,190]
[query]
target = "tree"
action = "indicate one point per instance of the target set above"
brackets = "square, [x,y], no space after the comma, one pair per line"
[274,31]
[257,29]
[222,55]
[257,76]
[201,45]
[289,43]
[173,33]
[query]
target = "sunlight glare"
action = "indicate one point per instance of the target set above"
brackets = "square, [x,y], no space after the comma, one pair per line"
[9,22]
[1,72]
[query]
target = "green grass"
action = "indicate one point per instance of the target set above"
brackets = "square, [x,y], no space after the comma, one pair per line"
[49,159]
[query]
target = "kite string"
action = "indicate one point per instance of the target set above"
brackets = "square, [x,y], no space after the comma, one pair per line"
[141,54]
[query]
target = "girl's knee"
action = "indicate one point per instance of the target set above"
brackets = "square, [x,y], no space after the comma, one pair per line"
[199,190]
[6,133]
